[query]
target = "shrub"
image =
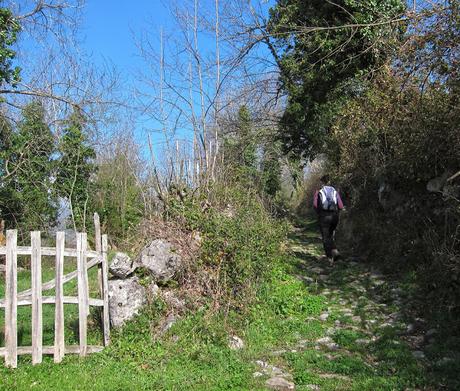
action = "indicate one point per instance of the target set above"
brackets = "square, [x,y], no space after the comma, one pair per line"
[240,242]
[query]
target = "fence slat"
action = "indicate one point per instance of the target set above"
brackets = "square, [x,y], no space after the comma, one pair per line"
[105,289]
[97,233]
[82,291]
[59,347]
[11,290]
[72,349]
[98,245]
[51,284]
[36,271]
[49,251]
[52,300]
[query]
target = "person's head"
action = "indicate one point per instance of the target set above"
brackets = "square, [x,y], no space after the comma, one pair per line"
[325,180]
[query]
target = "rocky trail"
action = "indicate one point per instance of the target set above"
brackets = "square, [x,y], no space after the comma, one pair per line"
[367,336]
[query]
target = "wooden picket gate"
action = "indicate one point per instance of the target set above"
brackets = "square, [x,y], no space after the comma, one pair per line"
[86,259]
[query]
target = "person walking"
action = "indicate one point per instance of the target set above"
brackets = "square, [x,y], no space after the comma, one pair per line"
[328,204]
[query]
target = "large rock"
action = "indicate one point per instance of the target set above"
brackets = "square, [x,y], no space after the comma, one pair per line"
[160,260]
[126,298]
[121,266]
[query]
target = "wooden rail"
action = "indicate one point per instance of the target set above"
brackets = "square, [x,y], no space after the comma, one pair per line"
[34,296]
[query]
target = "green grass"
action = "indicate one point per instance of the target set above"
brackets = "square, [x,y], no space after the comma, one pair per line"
[193,354]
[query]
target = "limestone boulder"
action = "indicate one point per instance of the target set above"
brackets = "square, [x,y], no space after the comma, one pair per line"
[121,266]
[160,259]
[126,298]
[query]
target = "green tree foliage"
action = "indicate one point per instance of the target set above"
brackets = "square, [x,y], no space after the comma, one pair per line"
[246,139]
[9,28]
[271,170]
[27,157]
[74,180]
[253,156]
[9,198]
[321,46]
[240,144]
[118,198]
[36,144]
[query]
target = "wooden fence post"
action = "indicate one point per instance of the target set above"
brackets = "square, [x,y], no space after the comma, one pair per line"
[36,271]
[98,245]
[105,288]
[97,232]
[82,291]
[11,300]
[59,346]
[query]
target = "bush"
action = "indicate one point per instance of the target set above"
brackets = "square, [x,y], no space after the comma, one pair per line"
[241,242]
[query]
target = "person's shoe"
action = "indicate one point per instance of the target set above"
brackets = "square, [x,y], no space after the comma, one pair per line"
[323,258]
[335,254]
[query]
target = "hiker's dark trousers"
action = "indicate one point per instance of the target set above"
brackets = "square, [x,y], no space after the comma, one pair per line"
[328,223]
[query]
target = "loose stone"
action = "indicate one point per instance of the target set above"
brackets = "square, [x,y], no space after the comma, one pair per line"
[356,319]
[235,343]
[418,354]
[279,383]
[324,316]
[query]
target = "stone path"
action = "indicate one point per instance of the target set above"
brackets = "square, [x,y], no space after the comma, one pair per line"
[369,331]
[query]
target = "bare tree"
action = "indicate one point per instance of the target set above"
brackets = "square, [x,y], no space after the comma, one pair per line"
[198,83]
[54,69]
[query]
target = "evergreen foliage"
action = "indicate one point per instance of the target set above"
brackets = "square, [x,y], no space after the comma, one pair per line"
[252,155]
[271,170]
[240,144]
[9,28]
[29,153]
[9,202]
[118,196]
[76,169]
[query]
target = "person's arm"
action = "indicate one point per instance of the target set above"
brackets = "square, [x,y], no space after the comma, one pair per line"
[339,201]
[315,200]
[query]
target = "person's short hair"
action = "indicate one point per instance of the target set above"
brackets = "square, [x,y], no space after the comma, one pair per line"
[324,179]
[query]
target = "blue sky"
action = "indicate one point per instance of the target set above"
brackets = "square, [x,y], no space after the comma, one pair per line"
[109,25]
[108,34]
